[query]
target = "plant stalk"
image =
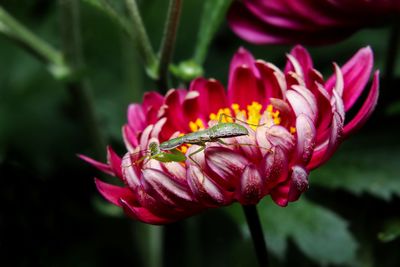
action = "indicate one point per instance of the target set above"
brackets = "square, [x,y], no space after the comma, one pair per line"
[21,35]
[253,221]
[79,87]
[213,15]
[142,40]
[168,42]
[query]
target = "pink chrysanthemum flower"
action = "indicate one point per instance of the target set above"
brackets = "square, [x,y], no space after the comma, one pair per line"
[302,122]
[309,22]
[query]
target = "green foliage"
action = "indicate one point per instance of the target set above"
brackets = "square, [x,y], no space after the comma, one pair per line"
[391,231]
[364,164]
[318,232]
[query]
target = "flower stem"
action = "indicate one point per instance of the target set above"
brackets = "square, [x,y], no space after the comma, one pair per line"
[39,48]
[79,87]
[253,221]
[213,15]
[168,42]
[142,40]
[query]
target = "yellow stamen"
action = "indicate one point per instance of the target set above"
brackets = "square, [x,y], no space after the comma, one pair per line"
[193,126]
[292,130]
[183,149]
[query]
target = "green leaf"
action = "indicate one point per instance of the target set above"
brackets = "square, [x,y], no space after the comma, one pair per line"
[214,12]
[393,109]
[366,163]
[318,232]
[391,231]
[106,208]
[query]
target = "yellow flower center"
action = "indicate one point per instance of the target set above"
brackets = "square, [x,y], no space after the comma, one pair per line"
[252,115]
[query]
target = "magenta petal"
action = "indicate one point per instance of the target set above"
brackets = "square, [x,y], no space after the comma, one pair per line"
[280,194]
[305,131]
[299,104]
[204,189]
[99,165]
[274,168]
[366,110]
[174,112]
[250,189]
[356,74]
[241,58]
[225,163]
[114,161]
[209,91]
[326,150]
[166,189]
[310,98]
[280,137]
[136,117]
[303,58]
[245,88]
[130,171]
[299,183]
[112,192]
[143,214]
[129,137]
[152,100]
[273,81]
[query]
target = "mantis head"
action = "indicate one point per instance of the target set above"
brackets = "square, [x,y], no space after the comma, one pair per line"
[154,148]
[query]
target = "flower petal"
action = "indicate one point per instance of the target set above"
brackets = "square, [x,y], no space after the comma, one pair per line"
[165,188]
[130,170]
[274,169]
[226,164]
[205,190]
[299,183]
[272,79]
[143,214]
[356,74]
[99,165]
[112,192]
[366,109]
[245,88]
[250,189]
[305,131]
[136,118]
[114,161]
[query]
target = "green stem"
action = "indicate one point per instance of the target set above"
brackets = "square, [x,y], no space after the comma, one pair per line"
[21,35]
[119,20]
[212,17]
[168,42]
[142,40]
[79,88]
[253,221]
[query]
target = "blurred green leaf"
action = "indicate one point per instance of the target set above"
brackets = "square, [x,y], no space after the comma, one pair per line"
[187,70]
[391,231]
[393,109]
[318,232]
[214,12]
[366,163]
[106,208]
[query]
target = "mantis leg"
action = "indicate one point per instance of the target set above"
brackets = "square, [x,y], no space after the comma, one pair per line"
[236,119]
[238,144]
[202,147]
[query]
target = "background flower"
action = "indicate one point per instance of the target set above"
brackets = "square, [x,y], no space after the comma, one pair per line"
[303,123]
[308,22]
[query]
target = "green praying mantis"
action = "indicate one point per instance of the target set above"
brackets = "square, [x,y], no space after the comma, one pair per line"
[167,151]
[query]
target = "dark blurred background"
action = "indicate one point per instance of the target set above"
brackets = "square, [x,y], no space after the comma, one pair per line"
[52,215]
